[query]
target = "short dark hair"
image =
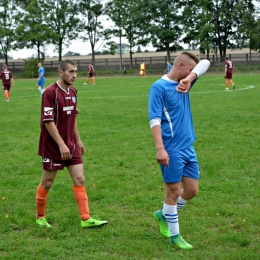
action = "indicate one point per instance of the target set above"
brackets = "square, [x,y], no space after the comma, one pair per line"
[192,56]
[64,64]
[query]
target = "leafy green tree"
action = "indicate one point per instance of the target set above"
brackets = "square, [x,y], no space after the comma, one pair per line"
[91,25]
[213,24]
[163,25]
[32,31]
[61,17]
[31,67]
[127,16]
[8,13]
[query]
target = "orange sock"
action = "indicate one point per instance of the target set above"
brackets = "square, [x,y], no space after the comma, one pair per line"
[226,84]
[231,81]
[6,95]
[41,201]
[81,198]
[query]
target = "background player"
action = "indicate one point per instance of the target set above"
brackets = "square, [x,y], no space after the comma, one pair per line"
[90,74]
[169,67]
[60,144]
[7,80]
[173,133]
[143,69]
[41,78]
[229,69]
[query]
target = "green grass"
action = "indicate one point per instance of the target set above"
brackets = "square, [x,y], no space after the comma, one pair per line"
[123,179]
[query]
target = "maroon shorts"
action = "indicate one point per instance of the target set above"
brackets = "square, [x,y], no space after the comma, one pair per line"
[228,75]
[91,75]
[6,86]
[56,164]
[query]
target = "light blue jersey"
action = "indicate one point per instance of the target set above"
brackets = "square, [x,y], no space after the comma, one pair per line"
[42,79]
[173,110]
[169,67]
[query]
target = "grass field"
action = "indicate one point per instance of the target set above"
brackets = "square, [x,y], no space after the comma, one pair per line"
[124,181]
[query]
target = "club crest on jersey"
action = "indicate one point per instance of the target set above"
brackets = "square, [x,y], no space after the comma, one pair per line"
[74,99]
[48,111]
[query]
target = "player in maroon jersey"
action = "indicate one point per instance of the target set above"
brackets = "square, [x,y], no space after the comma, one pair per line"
[229,68]
[90,74]
[60,144]
[8,80]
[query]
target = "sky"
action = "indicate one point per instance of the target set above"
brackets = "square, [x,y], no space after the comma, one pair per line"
[76,46]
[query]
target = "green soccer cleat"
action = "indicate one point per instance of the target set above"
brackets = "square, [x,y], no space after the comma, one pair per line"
[159,217]
[179,242]
[42,222]
[234,86]
[91,222]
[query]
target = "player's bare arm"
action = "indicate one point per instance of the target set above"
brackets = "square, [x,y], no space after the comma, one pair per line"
[78,140]
[162,156]
[185,84]
[53,131]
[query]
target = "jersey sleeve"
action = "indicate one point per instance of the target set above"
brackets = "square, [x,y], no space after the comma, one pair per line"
[48,106]
[155,103]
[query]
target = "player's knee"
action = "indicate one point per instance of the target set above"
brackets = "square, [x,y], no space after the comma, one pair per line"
[79,180]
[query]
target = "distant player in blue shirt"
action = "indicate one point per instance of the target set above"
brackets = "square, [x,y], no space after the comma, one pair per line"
[173,133]
[41,79]
[169,67]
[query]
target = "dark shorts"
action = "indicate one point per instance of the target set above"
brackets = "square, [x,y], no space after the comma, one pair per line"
[56,164]
[91,74]
[228,75]
[6,86]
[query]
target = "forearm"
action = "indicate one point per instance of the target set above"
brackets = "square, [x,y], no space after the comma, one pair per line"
[53,131]
[157,137]
[76,132]
[200,68]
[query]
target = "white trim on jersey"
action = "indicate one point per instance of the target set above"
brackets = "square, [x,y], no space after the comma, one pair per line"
[168,118]
[154,122]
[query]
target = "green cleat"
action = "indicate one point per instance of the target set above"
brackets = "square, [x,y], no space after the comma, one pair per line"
[234,86]
[91,222]
[159,217]
[42,222]
[179,242]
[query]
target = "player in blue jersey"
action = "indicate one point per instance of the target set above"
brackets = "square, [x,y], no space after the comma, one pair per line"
[169,67]
[41,78]
[173,134]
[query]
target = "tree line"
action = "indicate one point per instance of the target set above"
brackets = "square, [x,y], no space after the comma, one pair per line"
[207,25]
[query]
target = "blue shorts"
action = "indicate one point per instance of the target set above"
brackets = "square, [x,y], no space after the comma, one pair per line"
[182,163]
[41,83]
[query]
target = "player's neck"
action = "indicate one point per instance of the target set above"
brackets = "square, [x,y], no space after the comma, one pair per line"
[62,85]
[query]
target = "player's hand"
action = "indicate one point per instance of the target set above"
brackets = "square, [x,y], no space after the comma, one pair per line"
[162,157]
[81,147]
[65,152]
[184,86]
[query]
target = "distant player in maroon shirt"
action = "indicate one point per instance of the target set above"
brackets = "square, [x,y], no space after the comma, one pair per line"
[229,68]
[7,79]
[60,144]
[90,74]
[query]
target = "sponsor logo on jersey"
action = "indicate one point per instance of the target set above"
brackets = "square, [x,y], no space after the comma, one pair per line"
[67,97]
[68,108]
[48,111]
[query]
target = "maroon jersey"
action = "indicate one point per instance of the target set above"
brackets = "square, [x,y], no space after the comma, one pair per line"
[58,106]
[90,69]
[6,76]
[229,65]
